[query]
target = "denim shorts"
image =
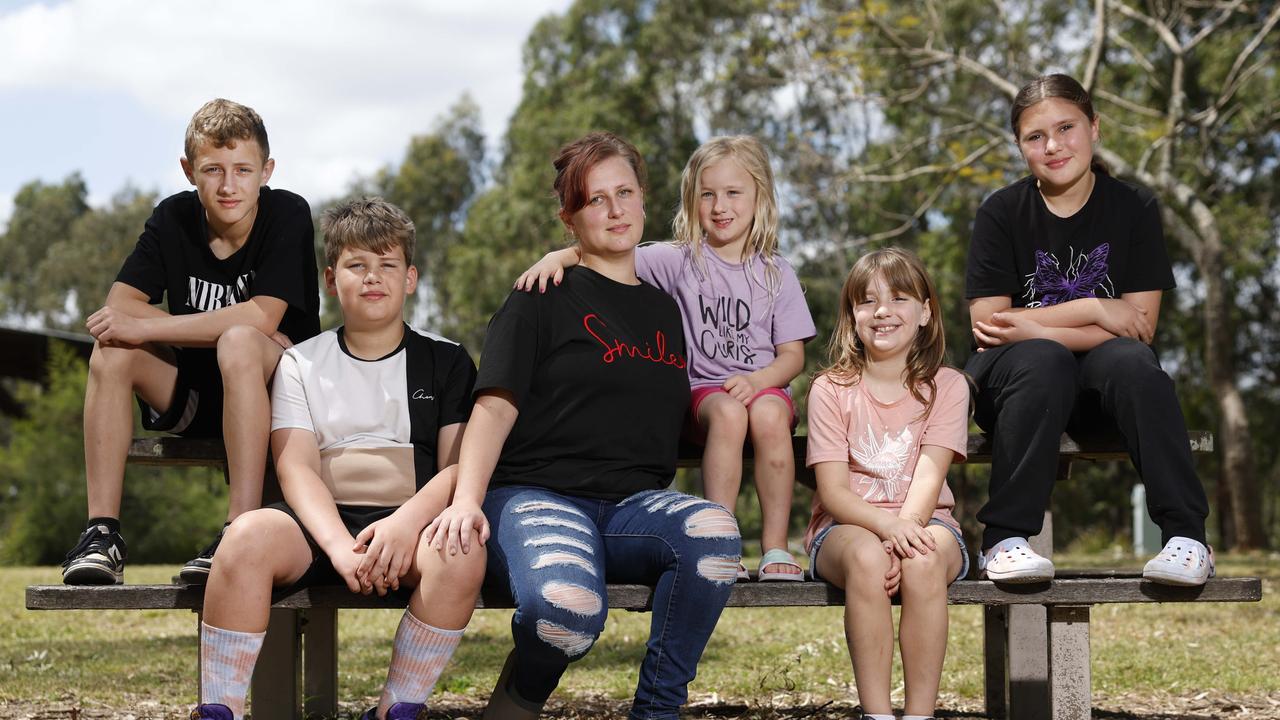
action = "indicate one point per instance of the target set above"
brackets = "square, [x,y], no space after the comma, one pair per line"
[822,535]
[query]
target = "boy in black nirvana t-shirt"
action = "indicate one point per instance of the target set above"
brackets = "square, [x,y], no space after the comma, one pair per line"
[235,262]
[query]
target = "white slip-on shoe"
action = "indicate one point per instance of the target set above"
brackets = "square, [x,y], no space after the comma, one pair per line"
[1183,561]
[1013,561]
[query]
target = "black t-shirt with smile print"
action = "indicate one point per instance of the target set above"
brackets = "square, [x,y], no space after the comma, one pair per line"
[597,369]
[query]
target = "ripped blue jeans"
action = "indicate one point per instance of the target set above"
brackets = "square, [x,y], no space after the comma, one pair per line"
[556,552]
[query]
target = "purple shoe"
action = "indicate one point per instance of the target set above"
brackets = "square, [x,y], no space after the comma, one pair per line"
[398,711]
[212,711]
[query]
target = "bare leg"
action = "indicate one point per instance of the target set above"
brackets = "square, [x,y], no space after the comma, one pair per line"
[444,596]
[852,558]
[775,472]
[445,586]
[247,360]
[115,374]
[922,629]
[238,596]
[726,422]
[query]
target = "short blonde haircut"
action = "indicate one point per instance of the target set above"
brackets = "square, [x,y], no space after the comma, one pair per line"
[221,123]
[368,223]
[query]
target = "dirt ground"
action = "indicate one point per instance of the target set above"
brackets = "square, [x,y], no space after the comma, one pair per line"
[1203,706]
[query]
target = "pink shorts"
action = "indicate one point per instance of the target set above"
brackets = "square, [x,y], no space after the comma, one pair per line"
[698,394]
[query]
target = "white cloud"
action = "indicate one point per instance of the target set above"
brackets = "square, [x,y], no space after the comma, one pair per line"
[342,85]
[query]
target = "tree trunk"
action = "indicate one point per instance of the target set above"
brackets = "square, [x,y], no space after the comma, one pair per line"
[1238,474]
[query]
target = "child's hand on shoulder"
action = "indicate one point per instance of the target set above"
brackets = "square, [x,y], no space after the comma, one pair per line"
[741,388]
[550,267]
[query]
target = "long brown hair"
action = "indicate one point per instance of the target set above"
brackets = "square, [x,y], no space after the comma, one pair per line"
[902,272]
[1063,87]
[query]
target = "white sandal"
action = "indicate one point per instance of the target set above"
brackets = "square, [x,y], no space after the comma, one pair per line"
[1182,561]
[1013,561]
[779,556]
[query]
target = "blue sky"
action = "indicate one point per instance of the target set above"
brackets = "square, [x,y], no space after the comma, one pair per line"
[106,87]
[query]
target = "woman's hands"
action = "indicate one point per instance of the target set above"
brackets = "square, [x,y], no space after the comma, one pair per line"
[453,529]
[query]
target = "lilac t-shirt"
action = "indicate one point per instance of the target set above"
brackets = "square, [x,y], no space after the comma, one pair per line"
[731,325]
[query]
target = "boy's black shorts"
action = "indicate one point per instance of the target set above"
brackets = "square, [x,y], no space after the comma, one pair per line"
[354,517]
[195,410]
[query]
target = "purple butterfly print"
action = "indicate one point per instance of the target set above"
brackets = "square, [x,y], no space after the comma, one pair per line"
[1085,276]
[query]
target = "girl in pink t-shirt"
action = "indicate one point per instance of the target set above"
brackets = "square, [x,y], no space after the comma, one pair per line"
[885,421]
[745,325]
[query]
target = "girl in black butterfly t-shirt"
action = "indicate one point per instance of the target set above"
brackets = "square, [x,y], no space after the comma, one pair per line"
[1065,274]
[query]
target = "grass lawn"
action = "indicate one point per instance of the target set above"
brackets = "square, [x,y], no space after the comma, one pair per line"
[1207,660]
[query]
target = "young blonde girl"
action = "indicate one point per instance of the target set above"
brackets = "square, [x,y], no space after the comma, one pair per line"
[886,419]
[745,324]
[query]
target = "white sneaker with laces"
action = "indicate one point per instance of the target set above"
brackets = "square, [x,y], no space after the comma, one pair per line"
[1013,561]
[1183,561]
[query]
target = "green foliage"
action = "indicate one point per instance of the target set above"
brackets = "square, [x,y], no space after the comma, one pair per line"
[43,216]
[901,128]
[58,256]
[435,184]
[888,124]
[168,515]
[635,68]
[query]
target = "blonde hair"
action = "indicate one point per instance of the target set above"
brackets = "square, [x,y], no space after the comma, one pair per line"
[902,272]
[368,223]
[221,123]
[762,237]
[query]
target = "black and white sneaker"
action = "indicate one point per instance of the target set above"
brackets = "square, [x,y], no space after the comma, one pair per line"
[197,569]
[97,559]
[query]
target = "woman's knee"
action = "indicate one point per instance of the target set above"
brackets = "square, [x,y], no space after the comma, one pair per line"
[699,534]
[565,615]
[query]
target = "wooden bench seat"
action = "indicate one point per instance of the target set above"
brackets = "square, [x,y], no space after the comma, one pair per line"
[1036,637]
[298,667]
[182,451]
